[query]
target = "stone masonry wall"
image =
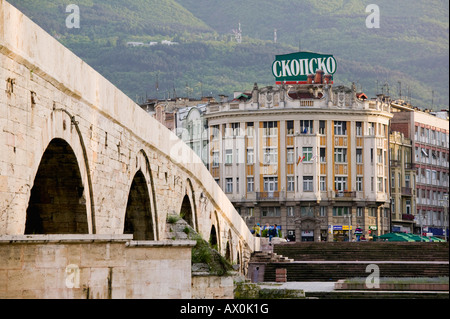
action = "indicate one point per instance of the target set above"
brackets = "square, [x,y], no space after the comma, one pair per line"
[93,267]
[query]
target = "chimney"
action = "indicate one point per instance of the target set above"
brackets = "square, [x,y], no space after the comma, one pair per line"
[319,77]
[310,79]
[327,79]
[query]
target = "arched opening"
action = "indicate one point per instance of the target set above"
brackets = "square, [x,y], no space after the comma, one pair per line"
[228,252]
[186,211]
[213,238]
[57,203]
[138,216]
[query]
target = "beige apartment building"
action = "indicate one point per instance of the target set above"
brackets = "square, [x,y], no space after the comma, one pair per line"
[403,177]
[311,158]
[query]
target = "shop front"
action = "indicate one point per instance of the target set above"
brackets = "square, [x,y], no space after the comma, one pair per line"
[341,232]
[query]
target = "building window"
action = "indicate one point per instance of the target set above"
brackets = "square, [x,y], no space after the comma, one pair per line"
[250,129]
[306,126]
[215,162]
[359,156]
[359,183]
[290,156]
[340,183]
[270,184]
[290,184]
[290,127]
[270,211]
[323,183]
[359,129]
[270,128]
[235,127]
[250,157]
[408,207]
[228,157]
[307,154]
[380,184]
[340,211]
[290,211]
[359,211]
[371,128]
[250,184]
[407,181]
[250,211]
[323,211]
[322,127]
[228,185]
[307,183]
[340,155]
[380,156]
[237,185]
[340,128]
[373,212]
[270,155]
[306,211]
[323,155]
[215,132]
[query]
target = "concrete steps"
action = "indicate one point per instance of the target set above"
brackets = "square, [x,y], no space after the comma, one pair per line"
[268,257]
[309,272]
[364,251]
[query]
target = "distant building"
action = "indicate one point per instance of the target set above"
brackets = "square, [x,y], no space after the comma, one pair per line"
[184,117]
[403,175]
[430,143]
[192,128]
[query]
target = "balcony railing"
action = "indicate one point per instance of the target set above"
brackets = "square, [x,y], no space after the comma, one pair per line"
[395,163]
[407,217]
[268,196]
[344,194]
[406,191]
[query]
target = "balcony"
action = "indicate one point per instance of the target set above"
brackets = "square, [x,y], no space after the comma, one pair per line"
[270,196]
[344,195]
[406,191]
[395,163]
[408,217]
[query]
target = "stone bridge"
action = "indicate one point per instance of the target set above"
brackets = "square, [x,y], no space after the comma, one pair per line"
[79,159]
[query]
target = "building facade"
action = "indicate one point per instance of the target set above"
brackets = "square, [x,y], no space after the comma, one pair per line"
[403,178]
[430,145]
[311,158]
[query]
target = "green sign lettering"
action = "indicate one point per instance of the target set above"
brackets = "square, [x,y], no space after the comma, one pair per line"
[295,67]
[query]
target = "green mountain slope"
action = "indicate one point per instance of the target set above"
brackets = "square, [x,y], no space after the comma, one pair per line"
[411,45]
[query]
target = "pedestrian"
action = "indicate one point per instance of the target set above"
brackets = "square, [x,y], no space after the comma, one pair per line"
[272,232]
[257,230]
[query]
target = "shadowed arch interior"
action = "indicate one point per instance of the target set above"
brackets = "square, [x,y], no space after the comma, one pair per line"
[138,216]
[57,204]
[186,211]
[213,238]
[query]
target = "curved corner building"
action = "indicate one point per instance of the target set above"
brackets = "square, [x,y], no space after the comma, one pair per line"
[311,158]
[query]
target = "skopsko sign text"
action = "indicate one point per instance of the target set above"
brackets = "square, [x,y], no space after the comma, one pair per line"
[294,68]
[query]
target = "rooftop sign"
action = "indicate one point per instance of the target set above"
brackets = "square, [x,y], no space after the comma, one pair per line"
[294,68]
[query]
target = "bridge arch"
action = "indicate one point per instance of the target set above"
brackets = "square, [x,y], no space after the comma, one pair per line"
[140,217]
[57,203]
[188,209]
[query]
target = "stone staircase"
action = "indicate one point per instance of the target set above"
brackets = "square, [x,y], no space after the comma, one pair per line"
[268,257]
[318,261]
[366,251]
[309,272]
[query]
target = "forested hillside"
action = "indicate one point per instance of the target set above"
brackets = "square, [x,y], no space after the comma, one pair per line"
[410,47]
